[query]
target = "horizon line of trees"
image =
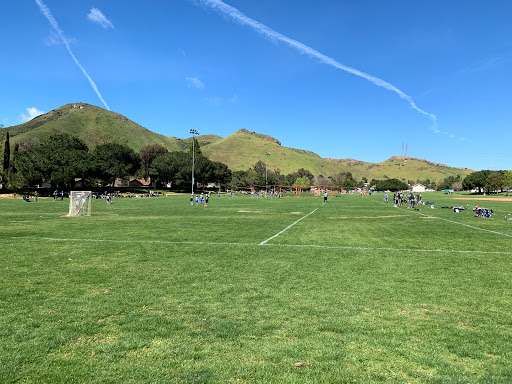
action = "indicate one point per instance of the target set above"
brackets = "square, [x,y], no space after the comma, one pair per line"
[62,158]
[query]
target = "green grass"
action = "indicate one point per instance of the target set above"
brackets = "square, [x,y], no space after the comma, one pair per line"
[155,290]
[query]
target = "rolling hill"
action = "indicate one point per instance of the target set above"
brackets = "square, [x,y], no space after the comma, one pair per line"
[94,125]
[240,151]
[243,149]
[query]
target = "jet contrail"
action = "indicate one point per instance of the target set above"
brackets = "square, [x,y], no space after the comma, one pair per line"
[45,11]
[269,33]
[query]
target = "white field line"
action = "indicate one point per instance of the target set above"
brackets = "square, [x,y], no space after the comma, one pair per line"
[469,226]
[288,227]
[164,242]
[455,222]
[89,240]
[382,248]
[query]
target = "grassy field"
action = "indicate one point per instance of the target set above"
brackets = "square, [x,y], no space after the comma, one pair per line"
[288,290]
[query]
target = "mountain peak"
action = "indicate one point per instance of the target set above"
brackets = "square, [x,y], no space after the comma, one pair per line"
[266,137]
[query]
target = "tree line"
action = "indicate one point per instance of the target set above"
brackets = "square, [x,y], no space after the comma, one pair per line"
[487,180]
[62,158]
[258,174]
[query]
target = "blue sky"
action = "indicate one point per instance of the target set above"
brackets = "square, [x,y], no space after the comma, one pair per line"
[344,79]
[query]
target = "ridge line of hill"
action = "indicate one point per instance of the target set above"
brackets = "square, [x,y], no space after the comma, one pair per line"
[240,150]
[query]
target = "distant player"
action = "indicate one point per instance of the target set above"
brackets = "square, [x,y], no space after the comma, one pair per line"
[192,199]
[325,197]
[206,198]
[411,200]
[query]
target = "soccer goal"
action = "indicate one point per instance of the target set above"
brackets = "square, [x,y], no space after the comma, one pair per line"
[79,203]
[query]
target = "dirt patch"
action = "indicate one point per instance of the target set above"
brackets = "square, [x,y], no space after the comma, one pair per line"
[243,211]
[296,213]
[484,198]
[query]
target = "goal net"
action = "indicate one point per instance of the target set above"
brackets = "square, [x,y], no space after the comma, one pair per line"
[80,203]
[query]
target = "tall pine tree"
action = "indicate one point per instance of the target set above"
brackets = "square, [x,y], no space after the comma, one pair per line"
[7,158]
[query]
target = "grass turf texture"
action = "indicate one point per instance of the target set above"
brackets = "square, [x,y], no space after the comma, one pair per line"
[155,290]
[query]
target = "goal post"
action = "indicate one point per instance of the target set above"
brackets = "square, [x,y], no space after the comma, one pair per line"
[80,203]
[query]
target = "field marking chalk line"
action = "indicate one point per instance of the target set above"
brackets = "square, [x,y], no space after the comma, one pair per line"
[455,222]
[288,227]
[258,245]
[384,248]
[123,241]
[469,226]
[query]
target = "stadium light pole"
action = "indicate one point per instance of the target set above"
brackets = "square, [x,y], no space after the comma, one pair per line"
[193,132]
[266,173]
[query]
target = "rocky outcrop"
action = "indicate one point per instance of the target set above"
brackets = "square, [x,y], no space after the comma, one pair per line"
[305,151]
[266,137]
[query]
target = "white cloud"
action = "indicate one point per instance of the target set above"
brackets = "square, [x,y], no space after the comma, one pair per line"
[54,39]
[268,33]
[488,64]
[96,16]
[46,12]
[214,100]
[218,100]
[31,113]
[195,82]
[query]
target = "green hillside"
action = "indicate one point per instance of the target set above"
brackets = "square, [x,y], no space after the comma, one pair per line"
[201,139]
[404,168]
[94,125]
[243,149]
[240,151]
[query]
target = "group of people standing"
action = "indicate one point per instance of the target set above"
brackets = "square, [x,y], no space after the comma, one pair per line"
[203,199]
[401,198]
[57,194]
